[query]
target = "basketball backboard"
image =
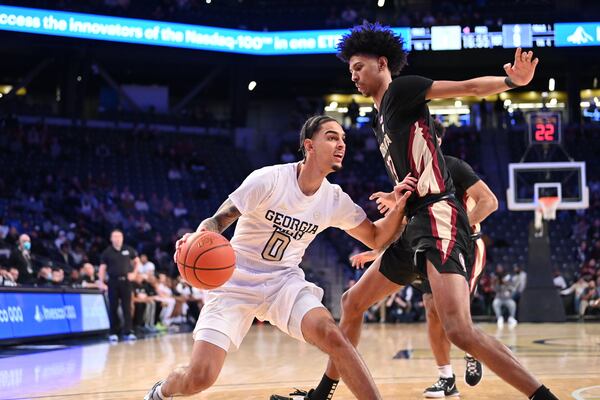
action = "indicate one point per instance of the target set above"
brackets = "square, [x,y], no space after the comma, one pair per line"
[530,181]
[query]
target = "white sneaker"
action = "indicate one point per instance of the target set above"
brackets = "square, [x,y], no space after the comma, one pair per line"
[113,338]
[500,322]
[512,322]
[153,393]
[131,337]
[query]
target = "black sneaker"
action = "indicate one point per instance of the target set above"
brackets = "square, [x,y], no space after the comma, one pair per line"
[473,371]
[297,395]
[442,388]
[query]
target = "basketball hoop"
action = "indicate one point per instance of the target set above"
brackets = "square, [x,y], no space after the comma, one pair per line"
[548,206]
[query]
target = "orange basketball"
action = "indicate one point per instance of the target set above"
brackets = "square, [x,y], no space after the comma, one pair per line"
[206,260]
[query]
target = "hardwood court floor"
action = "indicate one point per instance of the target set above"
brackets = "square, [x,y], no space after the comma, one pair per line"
[566,357]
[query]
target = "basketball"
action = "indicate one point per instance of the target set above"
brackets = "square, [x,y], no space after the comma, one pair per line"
[206,260]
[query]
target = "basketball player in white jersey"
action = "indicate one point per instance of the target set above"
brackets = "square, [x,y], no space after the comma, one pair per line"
[281,209]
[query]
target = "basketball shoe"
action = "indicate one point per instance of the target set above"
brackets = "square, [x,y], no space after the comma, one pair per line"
[153,394]
[473,371]
[297,395]
[442,388]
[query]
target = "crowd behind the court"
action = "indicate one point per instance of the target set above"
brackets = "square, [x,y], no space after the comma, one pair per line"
[53,226]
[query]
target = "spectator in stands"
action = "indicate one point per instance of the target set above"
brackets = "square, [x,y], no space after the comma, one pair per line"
[6,278]
[595,253]
[519,282]
[14,272]
[504,297]
[166,206]
[142,225]
[4,229]
[65,257]
[194,298]
[180,210]
[87,278]
[589,297]
[58,276]
[141,205]
[583,252]
[21,258]
[174,173]
[78,254]
[164,294]
[486,288]
[155,204]
[589,268]
[116,261]
[12,238]
[559,280]
[44,276]
[395,307]
[147,267]
[73,278]
[595,303]
[580,230]
[577,289]
[114,216]
[144,305]
[127,198]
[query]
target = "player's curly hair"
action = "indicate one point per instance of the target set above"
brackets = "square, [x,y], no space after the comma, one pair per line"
[310,127]
[377,40]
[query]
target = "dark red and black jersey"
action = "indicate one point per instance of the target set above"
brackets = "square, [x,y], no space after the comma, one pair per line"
[463,177]
[406,141]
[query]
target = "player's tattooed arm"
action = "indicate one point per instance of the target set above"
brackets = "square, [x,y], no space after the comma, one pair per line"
[226,215]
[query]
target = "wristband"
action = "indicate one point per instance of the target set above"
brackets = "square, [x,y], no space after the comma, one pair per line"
[510,83]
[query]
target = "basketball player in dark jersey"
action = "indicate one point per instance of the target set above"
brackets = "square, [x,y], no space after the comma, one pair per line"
[479,202]
[476,198]
[437,233]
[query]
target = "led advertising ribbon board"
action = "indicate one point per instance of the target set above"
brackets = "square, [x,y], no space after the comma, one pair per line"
[159,33]
[31,314]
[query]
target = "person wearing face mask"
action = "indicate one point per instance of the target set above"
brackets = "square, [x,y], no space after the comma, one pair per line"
[21,259]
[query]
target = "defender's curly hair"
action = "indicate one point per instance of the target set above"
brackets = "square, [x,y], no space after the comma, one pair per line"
[377,40]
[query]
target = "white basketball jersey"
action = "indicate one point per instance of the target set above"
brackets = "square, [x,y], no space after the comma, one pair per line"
[278,221]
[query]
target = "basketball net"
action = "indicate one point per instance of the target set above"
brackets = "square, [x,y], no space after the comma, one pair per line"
[546,210]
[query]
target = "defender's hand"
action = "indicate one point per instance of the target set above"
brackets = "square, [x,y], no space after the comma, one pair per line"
[359,260]
[522,70]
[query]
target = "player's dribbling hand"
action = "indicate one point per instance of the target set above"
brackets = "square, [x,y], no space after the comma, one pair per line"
[359,260]
[522,70]
[178,245]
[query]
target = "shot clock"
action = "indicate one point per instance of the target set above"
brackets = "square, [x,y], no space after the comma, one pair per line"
[544,128]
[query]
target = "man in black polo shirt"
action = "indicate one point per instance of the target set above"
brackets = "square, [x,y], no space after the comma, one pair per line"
[116,260]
